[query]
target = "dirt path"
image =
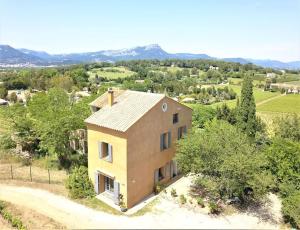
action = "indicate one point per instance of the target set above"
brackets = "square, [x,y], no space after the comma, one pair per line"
[167,214]
[270,99]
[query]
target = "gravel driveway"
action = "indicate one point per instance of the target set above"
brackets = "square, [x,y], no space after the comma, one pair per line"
[167,214]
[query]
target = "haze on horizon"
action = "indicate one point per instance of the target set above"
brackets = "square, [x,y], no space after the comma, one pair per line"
[249,29]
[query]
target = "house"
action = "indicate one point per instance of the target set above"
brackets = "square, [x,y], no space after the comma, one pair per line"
[131,142]
[188,100]
[271,75]
[213,67]
[139,81]
[3,102]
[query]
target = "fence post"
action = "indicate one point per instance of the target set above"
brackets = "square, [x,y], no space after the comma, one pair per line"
[11,172]
[49,175]
[30,173]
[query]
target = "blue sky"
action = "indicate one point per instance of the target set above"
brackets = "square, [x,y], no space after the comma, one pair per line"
[266,29]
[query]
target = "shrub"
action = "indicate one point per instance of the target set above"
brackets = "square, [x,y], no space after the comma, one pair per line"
[6,142]
[79,184]
[200,202]
[291,209]
[209,187]
[182,199]
[15,221]
[214,207]
[158,188]
[173,192]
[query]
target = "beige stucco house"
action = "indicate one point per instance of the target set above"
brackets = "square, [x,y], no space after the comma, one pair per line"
[131,142]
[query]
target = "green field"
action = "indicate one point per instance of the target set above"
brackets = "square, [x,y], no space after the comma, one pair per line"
[238,81]
[111,72]
[259,95]
[285,104]
[293,83]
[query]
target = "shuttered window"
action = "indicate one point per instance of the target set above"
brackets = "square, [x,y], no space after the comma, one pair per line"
[181,132]
[105,151]
[165,141]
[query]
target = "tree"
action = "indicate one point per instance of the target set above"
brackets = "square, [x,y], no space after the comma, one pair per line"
[227,114]
[284,161]
[3,92]
[13,97]
[224,154]
[288,127]
[63,82]
[55,117]
[202,114]
[246,118]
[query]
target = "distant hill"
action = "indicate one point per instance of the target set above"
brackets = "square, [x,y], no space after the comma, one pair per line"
[10,56]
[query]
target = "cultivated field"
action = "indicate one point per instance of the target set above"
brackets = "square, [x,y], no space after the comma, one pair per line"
[286,104]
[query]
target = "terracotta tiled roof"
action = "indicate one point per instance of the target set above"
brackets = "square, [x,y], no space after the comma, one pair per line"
[128,108]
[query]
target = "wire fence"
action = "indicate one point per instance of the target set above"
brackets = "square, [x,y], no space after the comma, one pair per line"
[31,173]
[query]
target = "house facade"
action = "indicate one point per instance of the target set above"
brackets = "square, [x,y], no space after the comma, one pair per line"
[131,142]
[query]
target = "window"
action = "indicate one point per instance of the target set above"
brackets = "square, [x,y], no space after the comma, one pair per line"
[108,184]
[181,132]
[165,141]
[105,151]
[161,173]
[175,118]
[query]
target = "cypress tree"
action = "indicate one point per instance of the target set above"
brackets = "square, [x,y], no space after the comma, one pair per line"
[246,118]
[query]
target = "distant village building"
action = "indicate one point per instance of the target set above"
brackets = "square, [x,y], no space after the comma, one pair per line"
[282,71]
[188,99]
[140,81]
[213,67]
[3,102]
[271,75]
[289,88]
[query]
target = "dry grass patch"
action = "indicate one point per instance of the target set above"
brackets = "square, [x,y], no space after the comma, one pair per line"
[32,219]
[4,224]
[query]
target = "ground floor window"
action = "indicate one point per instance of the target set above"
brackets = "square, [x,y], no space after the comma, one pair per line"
[161,173]
[108,184]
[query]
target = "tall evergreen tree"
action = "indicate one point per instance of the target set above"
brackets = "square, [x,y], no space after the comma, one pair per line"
[246,118]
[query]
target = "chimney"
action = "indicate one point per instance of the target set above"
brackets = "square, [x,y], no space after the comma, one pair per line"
[110,95]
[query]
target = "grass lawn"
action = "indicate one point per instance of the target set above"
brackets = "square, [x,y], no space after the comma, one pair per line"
[111,72]
[286,104]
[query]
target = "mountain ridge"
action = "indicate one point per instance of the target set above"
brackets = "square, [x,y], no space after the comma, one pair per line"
[10,56]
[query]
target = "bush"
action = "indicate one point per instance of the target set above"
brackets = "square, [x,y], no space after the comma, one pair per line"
[291,209]
[214,207]
[6,142]
[79,184]
[182,199]
[15,221]
[158,188]
[209,187]
[173,192]
[200,202]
